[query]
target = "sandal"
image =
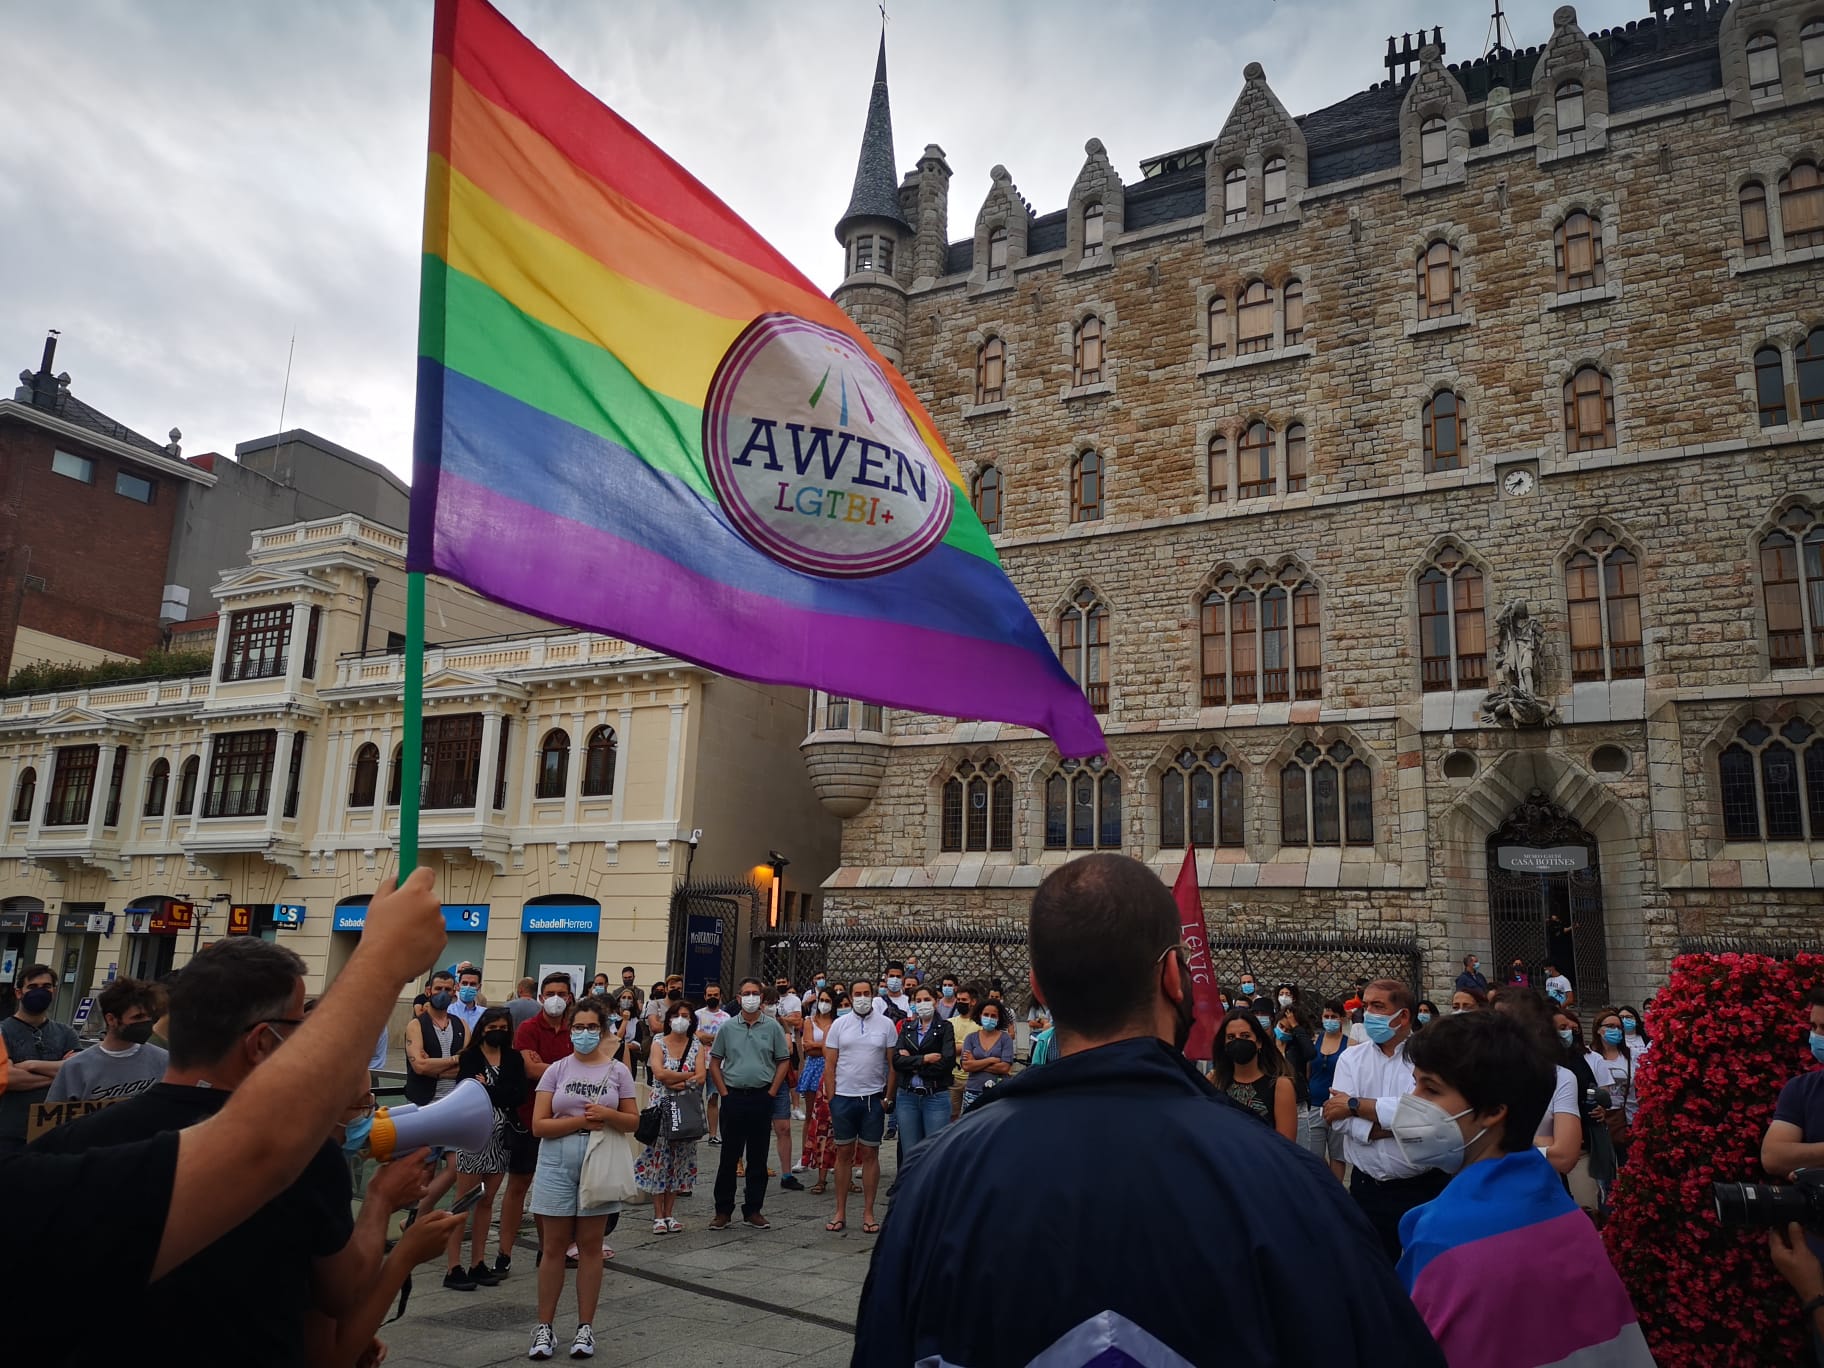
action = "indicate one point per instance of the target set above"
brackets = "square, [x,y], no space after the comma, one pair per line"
[673,1225]
[870,1227]
[818,1190]
[835,1227]
[658,1226]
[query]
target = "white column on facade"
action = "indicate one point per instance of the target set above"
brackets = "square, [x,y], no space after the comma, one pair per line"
[674,764]
[521,803]
[623,741]
[204,764]
[105,763]
[490,765]
[285,740]
[384,785]
[294,647]
[133,769]
[573,773]
[174,787]
[336,754]
[45,762]
[221,649]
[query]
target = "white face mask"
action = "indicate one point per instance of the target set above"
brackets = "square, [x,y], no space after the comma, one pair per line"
[863,1004]
[825,1008]
[750,1002]
[680,1024]
[894,984]
[1427,1134]
[924,1009]
[1285,999]
[554,1005]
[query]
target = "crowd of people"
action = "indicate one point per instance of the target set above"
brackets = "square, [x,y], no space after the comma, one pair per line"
[1427,1148]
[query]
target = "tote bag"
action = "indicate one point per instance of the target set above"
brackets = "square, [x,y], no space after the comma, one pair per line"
[607,1171]
[682,1116]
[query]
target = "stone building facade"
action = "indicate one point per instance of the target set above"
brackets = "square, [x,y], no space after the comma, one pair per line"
[571,781]
[1271,438]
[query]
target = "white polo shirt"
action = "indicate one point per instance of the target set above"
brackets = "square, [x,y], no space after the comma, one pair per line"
[862,1045]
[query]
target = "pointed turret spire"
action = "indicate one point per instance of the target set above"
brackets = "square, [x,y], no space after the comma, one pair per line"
[876,193]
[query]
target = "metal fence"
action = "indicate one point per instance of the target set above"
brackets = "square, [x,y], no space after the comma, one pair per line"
[990,953]
[1325,964]
[1745,945]
[1322,964]
[728,902]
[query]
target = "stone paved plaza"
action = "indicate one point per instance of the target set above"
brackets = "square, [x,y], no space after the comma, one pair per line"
[695,1300]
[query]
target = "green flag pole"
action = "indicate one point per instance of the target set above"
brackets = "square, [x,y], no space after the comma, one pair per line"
[411,750]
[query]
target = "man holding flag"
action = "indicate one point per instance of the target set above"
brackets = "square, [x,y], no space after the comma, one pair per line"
[1225,1220]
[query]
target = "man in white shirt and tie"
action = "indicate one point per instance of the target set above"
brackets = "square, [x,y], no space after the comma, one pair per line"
[1370,1080]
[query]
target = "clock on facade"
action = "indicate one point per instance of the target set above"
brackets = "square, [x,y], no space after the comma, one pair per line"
[1518,482]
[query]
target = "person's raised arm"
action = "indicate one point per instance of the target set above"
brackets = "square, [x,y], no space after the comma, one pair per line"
[231,1165]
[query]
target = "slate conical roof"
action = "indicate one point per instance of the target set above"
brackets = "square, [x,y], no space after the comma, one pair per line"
[876,193]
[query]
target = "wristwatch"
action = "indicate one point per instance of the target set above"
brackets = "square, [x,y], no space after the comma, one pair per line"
[1355,1106]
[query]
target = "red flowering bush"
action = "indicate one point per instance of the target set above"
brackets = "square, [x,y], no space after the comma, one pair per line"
[1728,1032]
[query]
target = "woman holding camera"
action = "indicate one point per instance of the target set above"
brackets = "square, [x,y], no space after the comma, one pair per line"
[587,1090]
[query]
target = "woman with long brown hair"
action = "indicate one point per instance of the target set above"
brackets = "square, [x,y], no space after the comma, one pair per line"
[1251,1070]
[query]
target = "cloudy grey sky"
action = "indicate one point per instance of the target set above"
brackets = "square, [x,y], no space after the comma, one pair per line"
[185,183]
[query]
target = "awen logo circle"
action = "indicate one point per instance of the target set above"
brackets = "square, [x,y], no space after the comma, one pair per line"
[815,458]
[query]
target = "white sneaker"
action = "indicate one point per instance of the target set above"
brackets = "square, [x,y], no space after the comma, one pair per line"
[544,1344]
[797,1168]
[584,1344]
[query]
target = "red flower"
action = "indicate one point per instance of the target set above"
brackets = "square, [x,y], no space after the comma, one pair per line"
[1727,1035]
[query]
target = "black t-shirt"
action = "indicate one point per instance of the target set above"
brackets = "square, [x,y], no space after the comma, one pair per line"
[60,1209]
[251,1288]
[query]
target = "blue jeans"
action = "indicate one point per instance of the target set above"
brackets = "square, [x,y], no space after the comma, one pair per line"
[921,1116]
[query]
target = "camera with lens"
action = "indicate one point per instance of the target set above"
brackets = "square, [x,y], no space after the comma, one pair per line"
[1767,1206]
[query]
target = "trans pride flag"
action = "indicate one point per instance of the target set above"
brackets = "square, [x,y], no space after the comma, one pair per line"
[635,416]
[1508,1273]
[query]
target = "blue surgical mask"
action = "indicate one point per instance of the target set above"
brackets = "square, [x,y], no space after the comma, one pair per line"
[1332,1025]
[949,990]
[1613,1035]
[440,1000]
[1567,1035]
[844,1011]
[1265,1021]
[354,1135]
[1817,1047]
[585,1041]
[1248,988]
[1631,1026]
[1280,1035]
[1424,1018]
[1380,1028]
[468,994]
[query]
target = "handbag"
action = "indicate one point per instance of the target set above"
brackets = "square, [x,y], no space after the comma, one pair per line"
[607,1174]
[648,1129]
[682,1115]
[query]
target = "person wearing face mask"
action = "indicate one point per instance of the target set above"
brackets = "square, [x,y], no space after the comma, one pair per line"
[1293,1036]
[1795,1136]
[1370,1080]
[667,1168]
[987,1055]
[1634,1026]
[748,1062]
[1426,1014]
[1468,1000]
[1251,1072]
[541,1042]
[629,984]
[946,996]
[1472,979]
[1326,1141]
[37,1047]
[598,988]
[588,1090]
[788,1008]
[230,1012]
[1248,988]
[1480,1089]
[893,1000]
[491,1060]
[962,1025]
[122,1063]
[918,1089]
[1560,1138]
[819,1152]
[434,1042]
[1286,994]
[711,1019]
[469,1005]
[858,1054]
[1107,959]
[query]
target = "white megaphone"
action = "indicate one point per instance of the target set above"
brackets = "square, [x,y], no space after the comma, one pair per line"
[462,1120]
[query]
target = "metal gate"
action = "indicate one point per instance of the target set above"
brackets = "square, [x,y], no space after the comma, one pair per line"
[1321,965]
[1538,914]
[991,954]
[719,907]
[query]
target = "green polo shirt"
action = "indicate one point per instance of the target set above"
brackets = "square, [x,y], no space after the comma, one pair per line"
[750,1055]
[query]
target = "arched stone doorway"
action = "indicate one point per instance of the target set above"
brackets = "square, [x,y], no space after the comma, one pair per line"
[1545,898]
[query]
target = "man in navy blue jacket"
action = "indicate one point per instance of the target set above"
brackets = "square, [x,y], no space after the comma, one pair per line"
[1171,1226]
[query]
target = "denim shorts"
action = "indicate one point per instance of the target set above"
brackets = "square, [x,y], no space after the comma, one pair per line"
[560,1173]
[782,1104]
[857,1120]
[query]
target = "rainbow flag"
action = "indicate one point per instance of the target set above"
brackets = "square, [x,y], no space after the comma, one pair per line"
[636,417]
